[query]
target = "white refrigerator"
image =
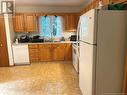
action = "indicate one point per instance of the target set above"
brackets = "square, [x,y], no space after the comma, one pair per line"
[102,35]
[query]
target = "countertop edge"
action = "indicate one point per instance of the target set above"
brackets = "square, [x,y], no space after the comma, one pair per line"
[45,43]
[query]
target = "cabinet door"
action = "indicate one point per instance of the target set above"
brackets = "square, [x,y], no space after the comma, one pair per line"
[33,53]
[95,4]
[119,1]
[68,52]
[71,22]
[76,19]
[58,51]
[30,22]
[45,52]
[106,2]
[18,21]
[4,60]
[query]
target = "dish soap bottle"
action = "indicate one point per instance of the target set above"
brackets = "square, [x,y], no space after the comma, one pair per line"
[16,41]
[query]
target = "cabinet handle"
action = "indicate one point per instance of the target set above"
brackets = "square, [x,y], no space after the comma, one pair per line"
[56,47]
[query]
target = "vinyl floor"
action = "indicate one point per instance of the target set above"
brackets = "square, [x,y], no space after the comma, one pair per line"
[47,78]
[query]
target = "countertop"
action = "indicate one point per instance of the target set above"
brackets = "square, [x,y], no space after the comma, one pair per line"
[45,43]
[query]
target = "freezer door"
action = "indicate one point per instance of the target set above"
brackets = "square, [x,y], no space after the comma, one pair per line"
[88,27]
[87,68]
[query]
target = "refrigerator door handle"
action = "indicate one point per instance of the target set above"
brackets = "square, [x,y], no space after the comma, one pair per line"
[78,34]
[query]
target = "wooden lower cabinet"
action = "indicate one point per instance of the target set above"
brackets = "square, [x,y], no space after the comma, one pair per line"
[45,52]
[50,52]
[33,53]
[68,52]
[58,52]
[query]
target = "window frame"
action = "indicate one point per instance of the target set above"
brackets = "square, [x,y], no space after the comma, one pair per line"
[51,26]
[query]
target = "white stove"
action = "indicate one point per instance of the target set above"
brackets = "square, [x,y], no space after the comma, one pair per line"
[75,57]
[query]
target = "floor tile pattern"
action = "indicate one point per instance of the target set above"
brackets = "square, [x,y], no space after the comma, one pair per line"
[49,78]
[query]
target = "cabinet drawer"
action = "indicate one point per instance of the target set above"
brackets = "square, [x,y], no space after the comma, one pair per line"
[33,46]
[34,56]
[44,46]
[59,46]
[33,53]
[34,60]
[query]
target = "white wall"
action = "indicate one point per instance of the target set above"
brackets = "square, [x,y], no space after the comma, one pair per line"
[10,36]
[66,35]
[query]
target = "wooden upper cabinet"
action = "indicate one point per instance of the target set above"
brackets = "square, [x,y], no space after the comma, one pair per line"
[18,21]
[95,4]
[58,52]
[76,19]
[25,23]
[106,2]
[30,22]
[71,22]
[119,1]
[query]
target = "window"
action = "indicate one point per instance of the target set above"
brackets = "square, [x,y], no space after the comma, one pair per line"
[51,26]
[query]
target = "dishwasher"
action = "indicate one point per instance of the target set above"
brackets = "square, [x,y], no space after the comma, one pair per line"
[75,57]
[21,54]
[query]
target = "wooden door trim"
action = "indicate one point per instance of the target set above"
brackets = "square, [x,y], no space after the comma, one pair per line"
[125,77]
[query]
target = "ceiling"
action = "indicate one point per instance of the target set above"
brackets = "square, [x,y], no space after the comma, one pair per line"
[49,3]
